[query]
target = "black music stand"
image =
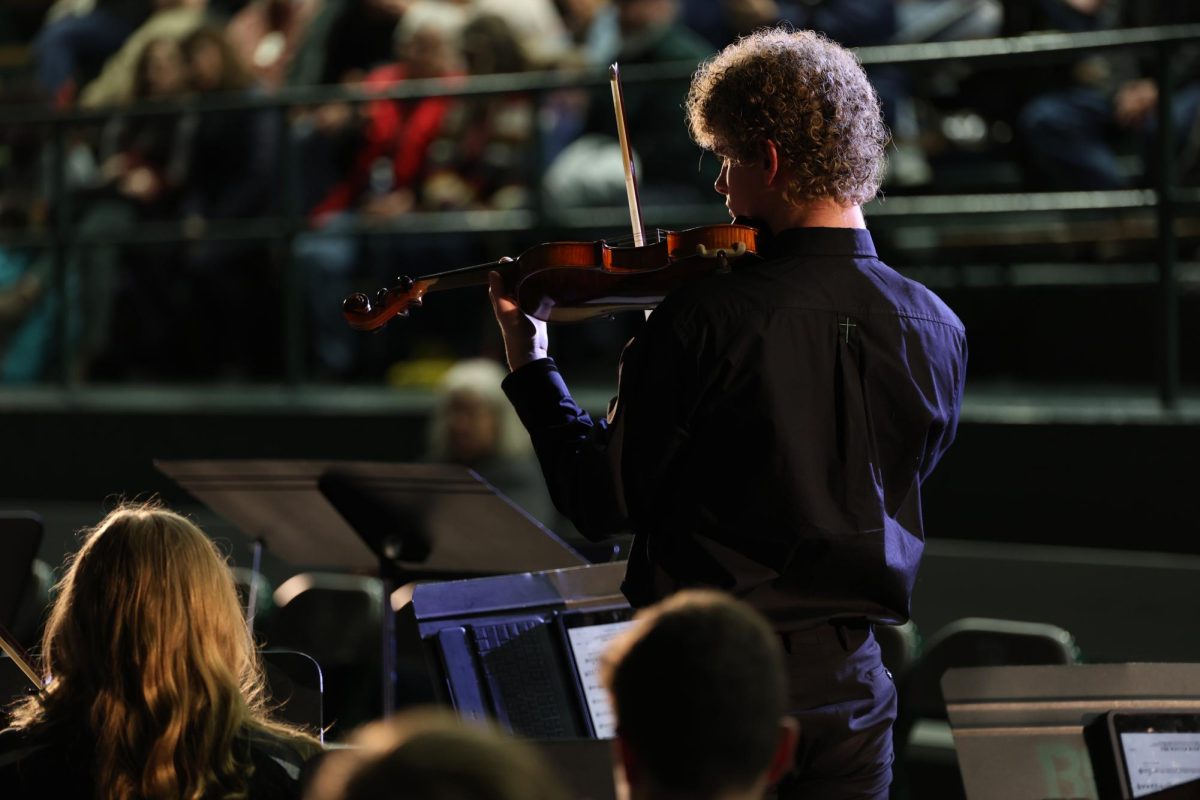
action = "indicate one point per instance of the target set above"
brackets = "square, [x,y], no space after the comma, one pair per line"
[402,522]
[20,538]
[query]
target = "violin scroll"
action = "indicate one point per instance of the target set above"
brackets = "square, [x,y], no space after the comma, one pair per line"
[364,314]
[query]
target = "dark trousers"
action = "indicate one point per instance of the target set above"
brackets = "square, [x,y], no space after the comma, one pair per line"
[845,702]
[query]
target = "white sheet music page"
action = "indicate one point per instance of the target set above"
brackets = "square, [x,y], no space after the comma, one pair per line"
[587,646]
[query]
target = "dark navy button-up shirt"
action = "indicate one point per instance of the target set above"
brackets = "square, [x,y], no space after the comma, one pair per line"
[771,432]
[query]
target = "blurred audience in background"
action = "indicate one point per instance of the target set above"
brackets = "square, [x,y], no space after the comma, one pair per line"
[364,165]
[233,160]
[117,81]
[77,38]
[588,171]
[27,309]
[268,35]
[140,176]
[481,157]
[1075,137]
[361,173]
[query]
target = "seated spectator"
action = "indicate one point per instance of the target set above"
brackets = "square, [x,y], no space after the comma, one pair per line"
[232,160]
[115,85]
[267,35]
[78,37]
[365,165]
[349,38]
[650,33]
[26,308]
[699,693]
[153,686]
[592,29]
[433,755]
[536,25]
[231,172]
[143,167]
[144,158]
[849,22]
[1073,136]
[473,424]
[483,155]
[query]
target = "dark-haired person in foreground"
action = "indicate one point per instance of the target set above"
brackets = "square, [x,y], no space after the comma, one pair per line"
[774,424]
[700,697]
[432,754]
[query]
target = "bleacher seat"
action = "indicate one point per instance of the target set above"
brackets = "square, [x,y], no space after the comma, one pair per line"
[927,765]
[335,618]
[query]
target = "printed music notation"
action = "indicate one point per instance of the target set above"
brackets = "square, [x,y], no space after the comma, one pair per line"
[587,646]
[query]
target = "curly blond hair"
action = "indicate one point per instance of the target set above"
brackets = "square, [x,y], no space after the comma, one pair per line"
[805,93]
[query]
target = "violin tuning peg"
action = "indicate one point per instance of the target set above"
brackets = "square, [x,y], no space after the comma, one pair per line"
[404,282]
[416,301]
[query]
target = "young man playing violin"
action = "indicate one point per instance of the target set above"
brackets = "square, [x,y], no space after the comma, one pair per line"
[774,423]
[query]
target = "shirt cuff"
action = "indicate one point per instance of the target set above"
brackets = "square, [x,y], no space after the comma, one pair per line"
[540,395]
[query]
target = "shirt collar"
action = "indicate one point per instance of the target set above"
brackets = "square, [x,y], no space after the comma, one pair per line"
[850,242]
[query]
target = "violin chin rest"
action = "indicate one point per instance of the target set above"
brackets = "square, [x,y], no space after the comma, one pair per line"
[736,250]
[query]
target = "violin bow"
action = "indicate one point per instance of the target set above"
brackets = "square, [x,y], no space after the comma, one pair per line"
[631,190]
[10,645]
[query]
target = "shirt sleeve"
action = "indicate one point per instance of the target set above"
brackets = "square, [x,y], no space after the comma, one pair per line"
[572,448]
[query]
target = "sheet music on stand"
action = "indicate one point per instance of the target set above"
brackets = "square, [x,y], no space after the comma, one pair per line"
[472,528]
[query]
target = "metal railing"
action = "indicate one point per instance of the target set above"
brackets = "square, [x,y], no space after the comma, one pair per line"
[283,227]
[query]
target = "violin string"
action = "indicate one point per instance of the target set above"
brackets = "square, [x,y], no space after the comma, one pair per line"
[627,240]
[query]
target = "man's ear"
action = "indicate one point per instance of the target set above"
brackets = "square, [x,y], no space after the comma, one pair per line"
[770,160]
[784,757]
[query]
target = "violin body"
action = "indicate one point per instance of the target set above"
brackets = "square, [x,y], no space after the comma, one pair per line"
[560,295]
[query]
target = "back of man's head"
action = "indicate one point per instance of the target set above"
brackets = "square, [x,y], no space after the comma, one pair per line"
[699,692]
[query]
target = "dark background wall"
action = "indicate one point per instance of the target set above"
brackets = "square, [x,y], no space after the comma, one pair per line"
[1090,524]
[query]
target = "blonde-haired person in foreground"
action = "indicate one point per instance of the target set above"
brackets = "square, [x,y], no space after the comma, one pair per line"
[154,688]
[430,754]
[700,696]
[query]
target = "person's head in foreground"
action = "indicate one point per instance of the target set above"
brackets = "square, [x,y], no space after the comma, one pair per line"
[431,754]
[796,123]
[699,693]
[149,661]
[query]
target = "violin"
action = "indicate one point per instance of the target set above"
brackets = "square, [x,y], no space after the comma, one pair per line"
[576,281]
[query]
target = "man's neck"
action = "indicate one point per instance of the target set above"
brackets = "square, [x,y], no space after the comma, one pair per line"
[817,214]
